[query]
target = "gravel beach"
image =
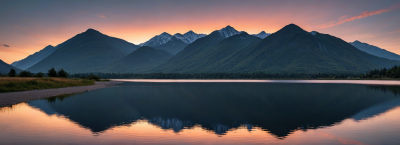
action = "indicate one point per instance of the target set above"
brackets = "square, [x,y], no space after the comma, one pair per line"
[11,98]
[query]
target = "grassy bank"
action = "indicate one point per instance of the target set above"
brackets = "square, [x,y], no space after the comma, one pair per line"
[14,84]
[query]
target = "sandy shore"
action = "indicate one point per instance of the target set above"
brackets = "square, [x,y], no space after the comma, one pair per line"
[11,98]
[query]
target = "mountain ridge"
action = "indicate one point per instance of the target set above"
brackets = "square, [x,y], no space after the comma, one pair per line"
[34,58]
[371,49]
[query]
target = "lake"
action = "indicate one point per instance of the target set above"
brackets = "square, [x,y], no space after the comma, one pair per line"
[212,112]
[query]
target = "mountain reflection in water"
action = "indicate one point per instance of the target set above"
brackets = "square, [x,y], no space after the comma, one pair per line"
[278,108]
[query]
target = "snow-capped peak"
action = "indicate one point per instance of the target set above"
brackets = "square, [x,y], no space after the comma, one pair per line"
[181,37]
[158,40]
[163,38]
[228,31]
[191,36]
[262,34]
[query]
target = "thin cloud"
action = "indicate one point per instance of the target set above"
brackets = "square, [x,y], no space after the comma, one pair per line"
[398,30]
[6,45]
[101,16]
[344,19]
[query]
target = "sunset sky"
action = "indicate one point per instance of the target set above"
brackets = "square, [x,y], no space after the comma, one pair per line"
[27,26]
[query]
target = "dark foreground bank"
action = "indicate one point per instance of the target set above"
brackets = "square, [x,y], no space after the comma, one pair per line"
[11,98]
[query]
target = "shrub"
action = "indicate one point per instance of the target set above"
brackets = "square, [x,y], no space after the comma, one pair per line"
[25,74]
[93,77]
[62,73]
[39,75]
[12,73]
[52,73]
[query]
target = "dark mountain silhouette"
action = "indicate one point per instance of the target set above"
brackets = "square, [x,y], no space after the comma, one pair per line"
[219,107]
[293,50]
[34,58]
[211,56]
[173,46]
[5,68]
[89,51]
[375,50]
[289,50]
[140,60]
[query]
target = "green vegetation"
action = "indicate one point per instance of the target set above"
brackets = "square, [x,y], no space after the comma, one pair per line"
[25,74]
[384,73]
[13,84]
[52,72]
[255,75]
[12,73]
[39,75]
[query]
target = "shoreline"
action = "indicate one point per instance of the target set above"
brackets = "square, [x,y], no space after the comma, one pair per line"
[12,98]
[363,82]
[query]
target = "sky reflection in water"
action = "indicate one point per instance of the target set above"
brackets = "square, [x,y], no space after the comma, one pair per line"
[212,113]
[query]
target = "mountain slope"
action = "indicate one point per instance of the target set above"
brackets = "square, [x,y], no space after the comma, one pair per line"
[158,40]
[375,50]
[34,58]
[293,50]
[85,52]
[208,56]
[5,68]
[173,46]
[140,60]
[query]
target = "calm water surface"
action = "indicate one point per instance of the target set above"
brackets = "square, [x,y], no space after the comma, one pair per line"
[221,112]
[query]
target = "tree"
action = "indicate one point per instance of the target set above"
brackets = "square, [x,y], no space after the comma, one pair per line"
[25,74]
[62,73]
[52,73]
[39,75]
[12,73]
[93,77]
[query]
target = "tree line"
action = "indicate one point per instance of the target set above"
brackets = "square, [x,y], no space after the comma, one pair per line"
[254,75]
[393,72]
[51,73]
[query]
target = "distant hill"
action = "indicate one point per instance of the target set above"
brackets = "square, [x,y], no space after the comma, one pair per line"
[262,34]
[173,46]
[140,60]
[34,58]
[289,50]
[375,50]
[89,51]
[5,68]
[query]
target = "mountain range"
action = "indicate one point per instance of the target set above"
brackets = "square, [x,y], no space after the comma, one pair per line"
[289,50]
[375,50]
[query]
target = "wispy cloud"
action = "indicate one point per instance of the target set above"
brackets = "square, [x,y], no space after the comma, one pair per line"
[344,19]
[101,16]
[6,45]
[397,31]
